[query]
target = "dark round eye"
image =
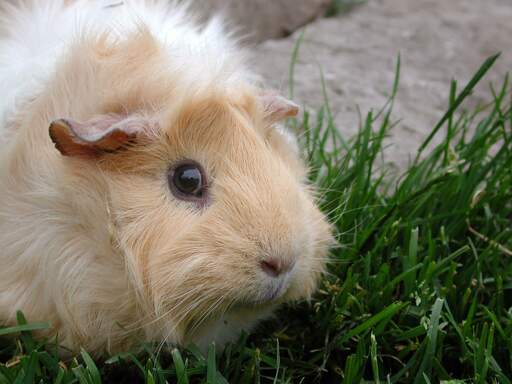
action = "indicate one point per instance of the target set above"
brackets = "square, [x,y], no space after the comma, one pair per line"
[187,181]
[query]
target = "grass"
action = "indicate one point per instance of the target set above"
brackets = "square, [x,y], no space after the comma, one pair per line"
[337,7]
[419,290]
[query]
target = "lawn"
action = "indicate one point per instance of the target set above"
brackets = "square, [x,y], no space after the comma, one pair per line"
[419,289]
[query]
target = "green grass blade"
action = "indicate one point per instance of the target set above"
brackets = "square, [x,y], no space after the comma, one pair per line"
[431,342]
[211,373]
[91,368]
[23,328]
[458,101]
[181,371]
[386,313]
[375,362]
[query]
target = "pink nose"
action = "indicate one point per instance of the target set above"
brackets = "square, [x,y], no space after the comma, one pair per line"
[275,267]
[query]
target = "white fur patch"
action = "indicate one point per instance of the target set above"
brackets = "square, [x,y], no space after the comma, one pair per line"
[34,37]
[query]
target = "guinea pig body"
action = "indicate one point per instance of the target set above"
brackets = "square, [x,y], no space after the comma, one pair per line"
[145,192]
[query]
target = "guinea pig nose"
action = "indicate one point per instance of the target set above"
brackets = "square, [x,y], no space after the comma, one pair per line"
[274,266]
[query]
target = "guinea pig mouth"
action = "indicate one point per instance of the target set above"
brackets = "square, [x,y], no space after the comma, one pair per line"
[269,294]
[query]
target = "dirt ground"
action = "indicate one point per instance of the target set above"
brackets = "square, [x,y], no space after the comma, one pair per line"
[437,39]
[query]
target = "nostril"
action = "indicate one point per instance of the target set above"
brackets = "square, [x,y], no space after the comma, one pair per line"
[275,267]
[271,267]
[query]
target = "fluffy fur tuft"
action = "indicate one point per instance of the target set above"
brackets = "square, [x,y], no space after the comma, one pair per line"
[98,245]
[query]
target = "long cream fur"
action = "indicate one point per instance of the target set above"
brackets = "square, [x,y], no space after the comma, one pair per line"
[99,247]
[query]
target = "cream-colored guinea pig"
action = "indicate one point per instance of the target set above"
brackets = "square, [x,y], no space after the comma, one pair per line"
[146,192]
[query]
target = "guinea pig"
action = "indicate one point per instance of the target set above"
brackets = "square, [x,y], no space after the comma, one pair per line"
[147,189]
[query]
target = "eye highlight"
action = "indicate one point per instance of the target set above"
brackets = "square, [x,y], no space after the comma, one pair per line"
[187,181]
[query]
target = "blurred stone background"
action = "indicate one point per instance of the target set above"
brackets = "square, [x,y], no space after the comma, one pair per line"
[260,20]
[357,50]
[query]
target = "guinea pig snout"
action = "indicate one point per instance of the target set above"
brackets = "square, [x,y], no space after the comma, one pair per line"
[275,266]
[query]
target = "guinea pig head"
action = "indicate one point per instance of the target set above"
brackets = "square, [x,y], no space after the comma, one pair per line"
[209,203]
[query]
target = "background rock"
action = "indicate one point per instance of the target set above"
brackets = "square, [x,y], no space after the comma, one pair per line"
[263,19]
[438,40]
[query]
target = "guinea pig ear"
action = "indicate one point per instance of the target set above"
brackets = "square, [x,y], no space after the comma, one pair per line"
[104,133]
[277,107]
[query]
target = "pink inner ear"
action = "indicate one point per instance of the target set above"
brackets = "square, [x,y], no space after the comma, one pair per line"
[103,133]
[277,107]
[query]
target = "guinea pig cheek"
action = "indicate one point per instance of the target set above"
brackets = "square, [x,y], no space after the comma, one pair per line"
[312,264]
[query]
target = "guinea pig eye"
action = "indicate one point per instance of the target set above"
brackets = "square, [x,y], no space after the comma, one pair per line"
[187,181]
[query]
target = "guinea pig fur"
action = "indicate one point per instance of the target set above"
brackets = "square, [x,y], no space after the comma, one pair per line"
[147,190]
